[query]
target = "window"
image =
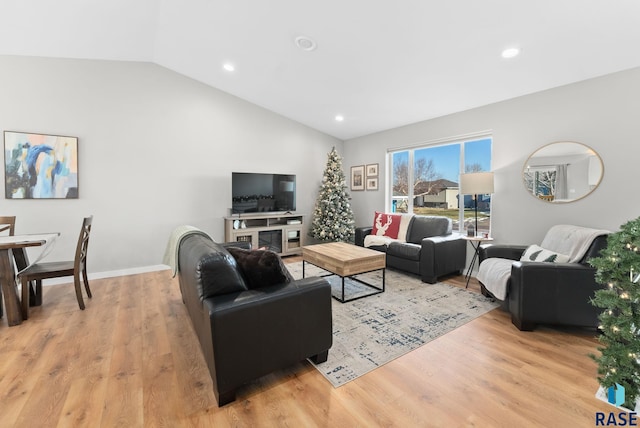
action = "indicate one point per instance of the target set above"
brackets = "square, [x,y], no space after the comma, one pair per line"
[425,180]
[541,181]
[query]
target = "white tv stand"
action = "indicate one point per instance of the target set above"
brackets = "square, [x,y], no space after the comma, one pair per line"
[281,233]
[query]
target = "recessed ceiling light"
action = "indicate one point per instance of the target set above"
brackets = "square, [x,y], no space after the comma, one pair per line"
[510,53]
[305,43]
[339,118]
[229,67]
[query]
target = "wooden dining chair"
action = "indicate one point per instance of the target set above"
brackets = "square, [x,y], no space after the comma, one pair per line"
[8,223]
[76,267]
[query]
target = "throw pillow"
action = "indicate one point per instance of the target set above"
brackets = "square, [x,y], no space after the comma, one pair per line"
[386,224]
[536,253]
[260,268]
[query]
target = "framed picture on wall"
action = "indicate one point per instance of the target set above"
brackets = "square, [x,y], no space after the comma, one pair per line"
[357,177]
[372,170]
[372,183]
[40,166]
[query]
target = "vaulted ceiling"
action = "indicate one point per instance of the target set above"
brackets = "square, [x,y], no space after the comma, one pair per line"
[379,64]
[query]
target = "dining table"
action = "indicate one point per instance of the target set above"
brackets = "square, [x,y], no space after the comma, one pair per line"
[16,246]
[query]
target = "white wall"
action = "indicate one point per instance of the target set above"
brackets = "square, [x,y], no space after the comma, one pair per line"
[601,113]
[156,150]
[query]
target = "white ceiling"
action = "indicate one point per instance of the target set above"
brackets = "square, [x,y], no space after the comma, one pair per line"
[380,64]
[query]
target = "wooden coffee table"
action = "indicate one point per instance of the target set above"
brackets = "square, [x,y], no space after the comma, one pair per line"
[346,261]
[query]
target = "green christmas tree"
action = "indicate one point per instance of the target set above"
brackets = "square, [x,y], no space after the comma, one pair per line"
[332,216]
[618,269]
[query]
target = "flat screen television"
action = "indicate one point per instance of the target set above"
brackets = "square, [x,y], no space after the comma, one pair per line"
[262,193]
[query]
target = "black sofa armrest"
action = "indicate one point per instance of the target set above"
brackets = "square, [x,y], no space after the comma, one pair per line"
[361,232]
[245,245]
[512,252]
[442,255]
[258,331]
[552,293]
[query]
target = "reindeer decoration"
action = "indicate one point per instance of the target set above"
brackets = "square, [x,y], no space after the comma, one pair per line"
[382,230]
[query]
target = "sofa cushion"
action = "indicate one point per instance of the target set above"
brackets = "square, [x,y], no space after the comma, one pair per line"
[423,226]
[536,253]
[381,248]
[260,268]
[404,250]
[386,224]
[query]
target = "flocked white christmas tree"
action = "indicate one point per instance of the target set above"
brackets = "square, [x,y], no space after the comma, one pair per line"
[332,216]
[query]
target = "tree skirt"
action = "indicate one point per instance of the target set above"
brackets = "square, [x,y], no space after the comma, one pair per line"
[372,331]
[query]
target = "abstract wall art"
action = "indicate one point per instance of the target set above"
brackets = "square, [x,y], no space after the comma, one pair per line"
[39,166]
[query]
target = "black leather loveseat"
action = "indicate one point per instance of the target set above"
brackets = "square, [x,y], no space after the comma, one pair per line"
[247,329]
[431,249]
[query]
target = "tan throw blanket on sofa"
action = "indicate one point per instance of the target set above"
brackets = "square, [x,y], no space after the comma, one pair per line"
[171,253]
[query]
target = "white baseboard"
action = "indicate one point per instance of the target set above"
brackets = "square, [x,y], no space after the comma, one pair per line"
[109,274]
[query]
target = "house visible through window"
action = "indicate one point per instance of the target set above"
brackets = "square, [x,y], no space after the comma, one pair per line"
[425,180]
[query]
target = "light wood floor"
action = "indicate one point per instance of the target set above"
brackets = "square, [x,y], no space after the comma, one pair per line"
[132,359]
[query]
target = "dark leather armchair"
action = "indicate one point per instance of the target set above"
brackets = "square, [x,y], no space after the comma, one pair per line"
[246,333]
[548,293]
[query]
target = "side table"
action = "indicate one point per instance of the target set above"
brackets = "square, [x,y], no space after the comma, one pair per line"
[476,241]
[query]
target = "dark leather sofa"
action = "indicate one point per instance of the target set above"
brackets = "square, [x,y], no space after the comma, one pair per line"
[431,249]
[247,333]
[548,293]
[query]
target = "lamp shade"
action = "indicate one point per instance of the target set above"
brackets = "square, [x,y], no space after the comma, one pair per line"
[286,186]
[476,183]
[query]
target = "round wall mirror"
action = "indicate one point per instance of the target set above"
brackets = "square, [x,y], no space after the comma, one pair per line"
[563,171]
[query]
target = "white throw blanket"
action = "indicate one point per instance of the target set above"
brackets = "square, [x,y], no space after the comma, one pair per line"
[574,241]
[171,253]
[494,274]
[375,240]
[378,240]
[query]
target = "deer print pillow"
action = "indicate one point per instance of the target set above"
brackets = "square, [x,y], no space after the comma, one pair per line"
[386,225]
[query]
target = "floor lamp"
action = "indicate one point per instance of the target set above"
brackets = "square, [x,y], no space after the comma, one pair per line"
[476,183]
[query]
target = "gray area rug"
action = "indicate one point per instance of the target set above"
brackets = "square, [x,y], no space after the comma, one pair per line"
[372,331]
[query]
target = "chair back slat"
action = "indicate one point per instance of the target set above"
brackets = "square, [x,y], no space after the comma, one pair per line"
[83,244]
[8,223]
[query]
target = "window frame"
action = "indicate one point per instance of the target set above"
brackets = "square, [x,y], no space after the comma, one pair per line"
[460,140]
